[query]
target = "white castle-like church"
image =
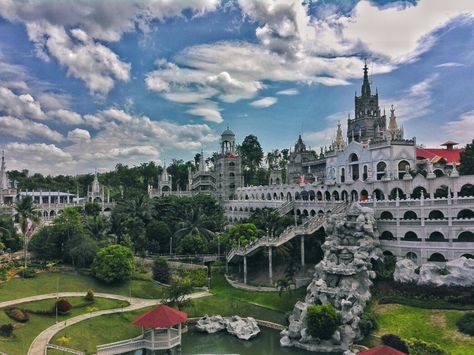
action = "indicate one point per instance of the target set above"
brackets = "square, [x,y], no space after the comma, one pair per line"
[424,208]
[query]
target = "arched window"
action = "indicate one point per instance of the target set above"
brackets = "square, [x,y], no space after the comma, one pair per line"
[411,236]
[387,253]
[269,197]
[437,257]
[343,174]
[297,196]
[305,213]
[410,215]
[467,190]
[436,214]
[468,256]
[466,237]
[312,213]
[381,170]
[379,195]
[386,235]
[354,195]
[335,196]
[364,195]
[386,215]
[354,159]
[282,196]
[365,173]
[304,195]
[465,214]
[312,195]
[438,172]
[403,167]
[232,175]
[289,197]
[262,196]
[275,196]
[393,194]
[418,192]
[344,195]
[327,196]
[436,237]
[320,213]
[246,197]
[319,195]
[441,192]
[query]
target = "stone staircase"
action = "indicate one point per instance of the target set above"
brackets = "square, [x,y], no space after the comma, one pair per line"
[309,227]
[285,208]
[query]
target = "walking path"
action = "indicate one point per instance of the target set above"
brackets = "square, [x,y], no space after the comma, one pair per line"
[38,346]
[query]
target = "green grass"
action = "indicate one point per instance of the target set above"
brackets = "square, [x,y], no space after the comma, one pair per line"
[72,282]
[24,333]
[271,300]
[431,325]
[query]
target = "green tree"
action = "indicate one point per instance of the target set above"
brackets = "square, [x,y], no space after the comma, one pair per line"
[158,236]
[196,224]
[252,155]
[8,235]
[241,234]
[192,244]
[26,212]
[322,321]
[467,160]
[113,264]
[83,253]
[161,270]
[177,293]
[92,209]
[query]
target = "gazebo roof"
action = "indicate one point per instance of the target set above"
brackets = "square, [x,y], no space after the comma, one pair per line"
[382,350]
[160,317]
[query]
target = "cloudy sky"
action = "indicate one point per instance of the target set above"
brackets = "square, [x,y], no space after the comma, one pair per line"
[88,84]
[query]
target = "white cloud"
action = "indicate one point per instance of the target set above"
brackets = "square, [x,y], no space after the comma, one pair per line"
[66,116]
[208,110]
[26,129]
[117,115]
[20,105]
[264,102]
[415,102]
[71,31]
[461,129]
[288,92]
[231,89]
[449,65]
[79,135]
[320,138]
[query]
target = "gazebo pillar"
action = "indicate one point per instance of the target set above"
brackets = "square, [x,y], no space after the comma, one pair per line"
[245,269]
[169,338]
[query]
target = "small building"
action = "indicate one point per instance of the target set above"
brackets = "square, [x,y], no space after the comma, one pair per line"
[159,332]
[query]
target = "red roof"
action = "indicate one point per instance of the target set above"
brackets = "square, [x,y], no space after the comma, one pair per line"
[382,350]
[435,154]
[160,317]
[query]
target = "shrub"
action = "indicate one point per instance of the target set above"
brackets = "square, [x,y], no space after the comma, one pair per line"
[465,324]
[17,315]
[368,323]
[6,330]
[27,273]
[63,306]
[395,342]
[322,321]
[89,296]
[420,347]
[113,264]
[197,277]
[161,270]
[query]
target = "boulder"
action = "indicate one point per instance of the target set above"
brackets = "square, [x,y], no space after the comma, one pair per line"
[242,328]
[212,324]
[405,271]
[457,272]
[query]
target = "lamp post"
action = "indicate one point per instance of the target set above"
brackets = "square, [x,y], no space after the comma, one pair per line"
[171,245]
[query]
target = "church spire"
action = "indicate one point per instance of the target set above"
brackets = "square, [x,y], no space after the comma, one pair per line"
[392,124]
[339,142]
[3,174]
[366,84]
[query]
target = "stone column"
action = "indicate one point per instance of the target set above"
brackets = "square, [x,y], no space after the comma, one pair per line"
[302,251]
[270,268]
[245,269]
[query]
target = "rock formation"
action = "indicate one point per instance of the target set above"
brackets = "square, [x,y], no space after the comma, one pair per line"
[457,272]
[342,279]
[242,328]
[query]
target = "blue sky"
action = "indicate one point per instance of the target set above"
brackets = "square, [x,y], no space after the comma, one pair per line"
[89,84]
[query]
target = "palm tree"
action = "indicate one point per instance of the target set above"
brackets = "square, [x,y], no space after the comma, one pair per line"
[196,224]
[25,211]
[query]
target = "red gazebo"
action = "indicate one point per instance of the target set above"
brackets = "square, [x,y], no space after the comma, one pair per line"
[157,332]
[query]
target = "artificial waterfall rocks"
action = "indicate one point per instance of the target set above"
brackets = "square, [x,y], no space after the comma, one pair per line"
[342,278]
[457,272]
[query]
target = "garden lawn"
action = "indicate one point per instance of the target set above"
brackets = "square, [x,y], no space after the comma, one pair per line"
[25,333]
[47,282]
[431,325]
[271,300]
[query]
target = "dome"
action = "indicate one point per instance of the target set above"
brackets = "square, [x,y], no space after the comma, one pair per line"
[228,132]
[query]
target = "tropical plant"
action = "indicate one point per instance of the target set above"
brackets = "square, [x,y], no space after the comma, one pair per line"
[26,212]
[161,270]
[89,297]
[194,224]
[113,264]
[63,306]
[176,294]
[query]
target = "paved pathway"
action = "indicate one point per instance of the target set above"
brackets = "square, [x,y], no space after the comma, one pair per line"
[38,346]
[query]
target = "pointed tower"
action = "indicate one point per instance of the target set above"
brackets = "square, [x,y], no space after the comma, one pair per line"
[165,183]
[3,174]
[368,121]
[339,143]
[228,172]
[393,132]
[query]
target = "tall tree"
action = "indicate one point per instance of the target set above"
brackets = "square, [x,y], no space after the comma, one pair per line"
[252,155]
[195,224]
[467,160]
[26,212]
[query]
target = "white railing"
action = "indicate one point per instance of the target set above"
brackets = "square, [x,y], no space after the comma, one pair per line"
[64,349]
[309,227]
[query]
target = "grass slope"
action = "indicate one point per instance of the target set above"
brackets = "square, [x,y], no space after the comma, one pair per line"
[72,282]
[24,333]
[432,325]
